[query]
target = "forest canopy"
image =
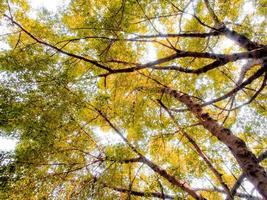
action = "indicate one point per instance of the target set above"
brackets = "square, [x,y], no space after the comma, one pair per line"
[134,99]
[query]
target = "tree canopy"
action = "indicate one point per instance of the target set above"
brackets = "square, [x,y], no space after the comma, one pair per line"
[134,99]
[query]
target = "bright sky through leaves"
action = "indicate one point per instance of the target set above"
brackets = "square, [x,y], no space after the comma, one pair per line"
[51,5]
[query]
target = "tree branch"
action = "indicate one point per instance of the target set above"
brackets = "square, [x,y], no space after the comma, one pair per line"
[139,193]
[200,153]
[59,49]
[240,179]
[241,195]
[240,39]
[239,87]
[157,169]
[221,59]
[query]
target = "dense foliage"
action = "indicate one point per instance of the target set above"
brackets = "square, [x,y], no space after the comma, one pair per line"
[134,99]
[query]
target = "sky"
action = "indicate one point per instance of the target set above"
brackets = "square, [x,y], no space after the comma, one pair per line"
[50,5]
[7,144]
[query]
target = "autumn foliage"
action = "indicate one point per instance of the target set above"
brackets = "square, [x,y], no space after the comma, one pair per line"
[134,99]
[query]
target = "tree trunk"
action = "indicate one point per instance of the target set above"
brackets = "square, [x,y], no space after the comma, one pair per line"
[245,158]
